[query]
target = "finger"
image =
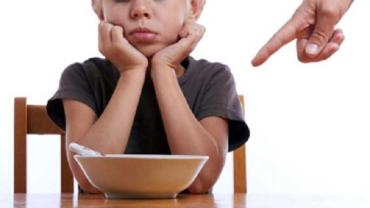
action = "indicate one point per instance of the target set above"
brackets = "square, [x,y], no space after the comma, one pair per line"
[190,23]
[184,32]
[324,27]
[194,35]
[302,39]
[326,52]
[101,38]
[187,44]
[191,33]
[338,37]
[105,34]
[283,36]
[301,45]
[117,34]
[332,47]
[329,49]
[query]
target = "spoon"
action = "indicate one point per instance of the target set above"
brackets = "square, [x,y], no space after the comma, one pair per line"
[82,150]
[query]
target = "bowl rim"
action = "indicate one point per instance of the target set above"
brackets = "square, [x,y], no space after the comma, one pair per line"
[147,156]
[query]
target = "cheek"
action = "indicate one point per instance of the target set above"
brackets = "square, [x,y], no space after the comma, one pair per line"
[173,27]
[114,17]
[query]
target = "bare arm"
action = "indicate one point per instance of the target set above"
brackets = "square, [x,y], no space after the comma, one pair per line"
[110,132]
[187,135]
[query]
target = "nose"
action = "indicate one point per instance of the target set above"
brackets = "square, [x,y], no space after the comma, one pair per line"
[140,9]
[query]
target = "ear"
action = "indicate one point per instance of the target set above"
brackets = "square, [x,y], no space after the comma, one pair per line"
[196,8]
[97,7]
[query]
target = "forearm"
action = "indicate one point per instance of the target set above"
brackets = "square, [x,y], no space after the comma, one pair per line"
[185,134]
[110,132]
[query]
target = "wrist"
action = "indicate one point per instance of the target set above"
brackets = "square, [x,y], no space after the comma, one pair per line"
[136,74]
[161,70]
[158,64]
[123,69]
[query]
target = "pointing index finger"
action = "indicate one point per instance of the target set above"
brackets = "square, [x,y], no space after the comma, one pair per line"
[284,35]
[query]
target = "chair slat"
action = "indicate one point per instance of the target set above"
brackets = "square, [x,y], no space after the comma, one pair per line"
[239,161]
[66,174]
[20,145]
[39,122]
[240,175]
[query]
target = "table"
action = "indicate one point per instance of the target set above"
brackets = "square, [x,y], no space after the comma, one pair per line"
[187,200]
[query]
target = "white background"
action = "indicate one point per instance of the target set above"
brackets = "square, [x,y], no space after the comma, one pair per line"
[309,122]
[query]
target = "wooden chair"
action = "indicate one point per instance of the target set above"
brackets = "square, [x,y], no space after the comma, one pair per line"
[240,166]
[28,120]
[33,119]
[240,173]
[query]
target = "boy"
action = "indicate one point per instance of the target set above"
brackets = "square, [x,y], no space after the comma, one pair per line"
[148,96]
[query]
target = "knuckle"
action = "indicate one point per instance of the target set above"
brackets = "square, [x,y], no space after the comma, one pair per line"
[320,36]
[330,11]
[202,30]
[278,38]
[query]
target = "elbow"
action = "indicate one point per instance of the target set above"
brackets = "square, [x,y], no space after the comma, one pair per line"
[84,183]
[80,177]
[205,180]
[88,188]
[200,187]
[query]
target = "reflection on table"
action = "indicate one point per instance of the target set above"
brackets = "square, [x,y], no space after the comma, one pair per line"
[187,200]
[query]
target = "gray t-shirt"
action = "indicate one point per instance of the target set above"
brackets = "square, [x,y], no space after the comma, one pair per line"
[209,89]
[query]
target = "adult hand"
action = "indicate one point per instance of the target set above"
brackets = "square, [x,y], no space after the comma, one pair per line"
[116,48]
[313,26]
[172,55]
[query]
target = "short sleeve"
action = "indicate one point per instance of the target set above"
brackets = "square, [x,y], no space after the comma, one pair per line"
[220,98]
[73,85]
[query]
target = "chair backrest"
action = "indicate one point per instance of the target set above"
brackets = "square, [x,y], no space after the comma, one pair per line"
[240,165]
[33,119]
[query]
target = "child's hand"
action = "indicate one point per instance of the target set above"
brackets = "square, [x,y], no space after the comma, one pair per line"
[116,48]
[172,55]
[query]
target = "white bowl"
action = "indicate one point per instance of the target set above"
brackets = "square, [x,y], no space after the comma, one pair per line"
[141,176]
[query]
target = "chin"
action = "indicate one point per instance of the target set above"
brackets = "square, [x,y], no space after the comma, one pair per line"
[150,51]
[149,54]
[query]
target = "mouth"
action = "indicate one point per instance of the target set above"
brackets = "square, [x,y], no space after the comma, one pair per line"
[143,34]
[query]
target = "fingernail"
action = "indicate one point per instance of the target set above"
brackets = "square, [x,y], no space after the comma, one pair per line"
[312,49]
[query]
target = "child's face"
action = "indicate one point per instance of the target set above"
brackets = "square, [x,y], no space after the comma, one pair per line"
[149,25]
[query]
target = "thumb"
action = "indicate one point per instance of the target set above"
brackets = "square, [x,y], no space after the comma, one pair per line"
[324,27]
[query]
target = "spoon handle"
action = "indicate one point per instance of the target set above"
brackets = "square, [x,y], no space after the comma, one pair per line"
[82,150]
